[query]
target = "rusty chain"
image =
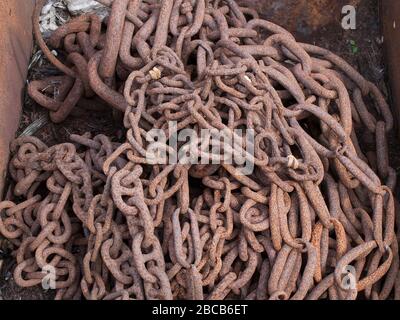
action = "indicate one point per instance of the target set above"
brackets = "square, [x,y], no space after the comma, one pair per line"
[116,226]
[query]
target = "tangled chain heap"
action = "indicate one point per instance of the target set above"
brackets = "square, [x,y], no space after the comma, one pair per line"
[116,227]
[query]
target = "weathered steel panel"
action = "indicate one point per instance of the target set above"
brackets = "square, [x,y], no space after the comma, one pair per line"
[15,51]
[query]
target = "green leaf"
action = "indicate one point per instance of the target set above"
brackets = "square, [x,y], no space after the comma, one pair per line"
[353,47]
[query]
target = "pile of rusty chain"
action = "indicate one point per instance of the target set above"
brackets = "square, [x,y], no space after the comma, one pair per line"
[316,218]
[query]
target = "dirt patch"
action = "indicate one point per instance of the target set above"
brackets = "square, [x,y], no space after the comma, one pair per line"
[301,17]
[81,120]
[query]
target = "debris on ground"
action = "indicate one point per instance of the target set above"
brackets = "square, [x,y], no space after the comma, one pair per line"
[79,7]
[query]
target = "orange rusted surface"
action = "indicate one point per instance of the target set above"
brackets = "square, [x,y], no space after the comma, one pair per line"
[390,12]
[15,51]
[301,17]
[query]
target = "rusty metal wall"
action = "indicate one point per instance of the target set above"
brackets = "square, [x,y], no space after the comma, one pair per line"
[390,13]
[300,17]
[15,51]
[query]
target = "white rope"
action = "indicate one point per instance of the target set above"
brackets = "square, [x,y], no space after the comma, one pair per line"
[293,163]
[155,73]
